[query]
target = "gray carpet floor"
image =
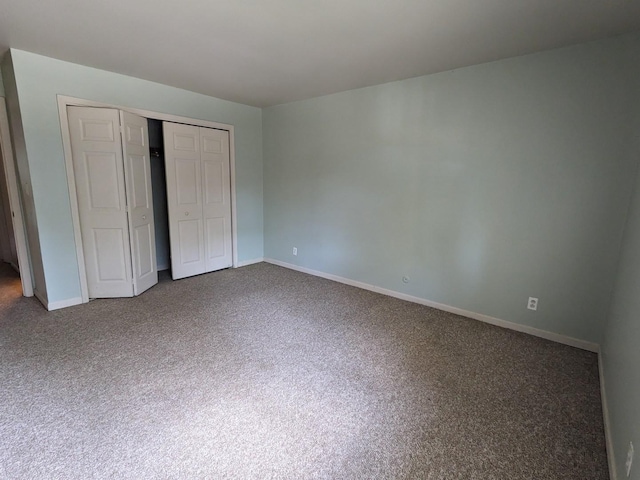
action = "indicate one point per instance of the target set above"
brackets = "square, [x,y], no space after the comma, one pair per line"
[263,372]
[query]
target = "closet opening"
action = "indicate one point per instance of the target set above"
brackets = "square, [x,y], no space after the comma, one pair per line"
[159,193]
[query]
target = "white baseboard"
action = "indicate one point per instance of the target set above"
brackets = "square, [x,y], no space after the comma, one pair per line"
[70,302]
[78,300]
[613,474]
[244,263]
[555,337]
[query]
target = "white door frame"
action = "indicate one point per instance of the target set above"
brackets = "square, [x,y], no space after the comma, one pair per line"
[64,102]
[17,216]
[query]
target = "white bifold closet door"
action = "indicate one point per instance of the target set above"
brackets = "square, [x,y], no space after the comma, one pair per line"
[199,198]
[110,151]
[137,176]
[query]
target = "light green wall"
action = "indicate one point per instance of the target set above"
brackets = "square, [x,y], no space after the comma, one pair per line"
[621,348]
[39,79]
[485,185]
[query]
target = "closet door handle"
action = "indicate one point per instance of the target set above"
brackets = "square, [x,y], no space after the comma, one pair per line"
[144,217]
[186,214]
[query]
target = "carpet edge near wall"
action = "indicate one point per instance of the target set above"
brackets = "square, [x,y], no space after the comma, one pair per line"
[536,332]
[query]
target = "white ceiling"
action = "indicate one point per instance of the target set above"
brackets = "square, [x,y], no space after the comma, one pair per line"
[266,52]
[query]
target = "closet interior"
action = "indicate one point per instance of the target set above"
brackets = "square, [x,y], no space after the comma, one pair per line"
[159,193]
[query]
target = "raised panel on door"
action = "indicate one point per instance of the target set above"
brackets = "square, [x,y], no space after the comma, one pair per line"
[187,181]
[102,181]
[189,234]
[99,180]
[215,237]
[111,244]
[216,198]
[184,199]
[145,262]
[140,199]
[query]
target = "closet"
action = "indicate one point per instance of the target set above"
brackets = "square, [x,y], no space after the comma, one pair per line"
[115,192]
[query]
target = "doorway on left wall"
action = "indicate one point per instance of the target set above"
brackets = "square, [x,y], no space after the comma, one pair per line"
[13,240]
[8,251]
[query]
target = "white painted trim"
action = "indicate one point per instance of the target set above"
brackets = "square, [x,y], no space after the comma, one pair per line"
[611,459]
[234,215]
[168,117]
[70,302]
[65,101]
[14,203]
[245,263]
[555,337]
[73,198]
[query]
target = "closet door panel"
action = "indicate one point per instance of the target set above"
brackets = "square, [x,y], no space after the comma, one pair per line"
[145,263]
[109,260]
[135,143]
[187,183]
[98,169]
[215,236]
[190,234]
[217,198]
[184,199]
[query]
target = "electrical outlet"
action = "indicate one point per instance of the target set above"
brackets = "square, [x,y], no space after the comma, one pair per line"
[295,251]
[533,303]
[629,458]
